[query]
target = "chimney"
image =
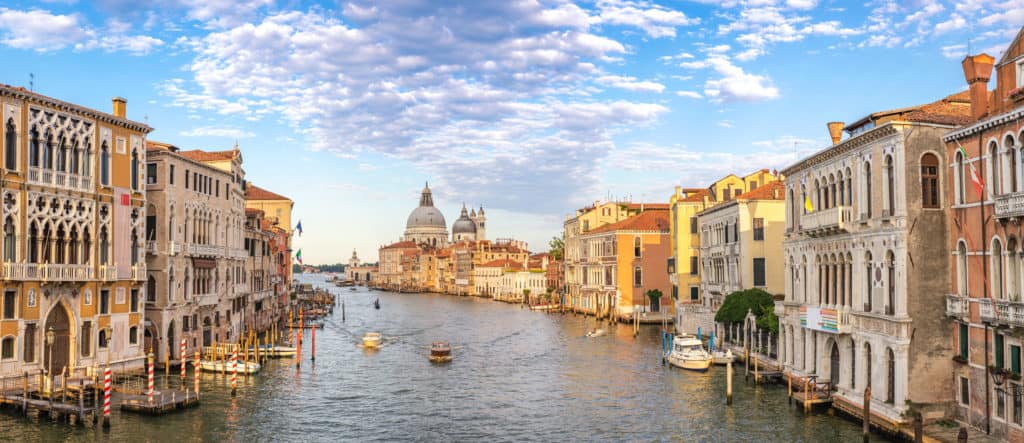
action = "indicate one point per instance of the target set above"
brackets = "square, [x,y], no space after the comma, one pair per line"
[120,106]
[835,130]
[977,71]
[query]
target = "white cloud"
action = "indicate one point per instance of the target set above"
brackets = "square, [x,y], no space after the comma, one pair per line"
[223,13]
[44,31]
[724,123]
[689,94]
[954,52]
[734,84]
[655,20]
[630,83]
[213,131]
[955,22]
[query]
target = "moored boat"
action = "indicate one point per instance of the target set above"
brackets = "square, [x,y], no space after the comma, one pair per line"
[596,333]
[440,352]
[274,351]
[372,340]
[247,367]
[721,357]
[688,353]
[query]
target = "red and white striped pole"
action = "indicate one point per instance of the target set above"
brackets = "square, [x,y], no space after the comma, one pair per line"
[313,345]
[234,372]
[298,349]
[196,371]
[184,362]
[149,392]
[106,398]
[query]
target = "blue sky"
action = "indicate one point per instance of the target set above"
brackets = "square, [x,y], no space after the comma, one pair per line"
[530,108]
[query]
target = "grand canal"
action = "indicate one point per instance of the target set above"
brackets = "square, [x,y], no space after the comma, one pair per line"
[517,375]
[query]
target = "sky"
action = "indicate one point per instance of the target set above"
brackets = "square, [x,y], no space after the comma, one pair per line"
[529,108]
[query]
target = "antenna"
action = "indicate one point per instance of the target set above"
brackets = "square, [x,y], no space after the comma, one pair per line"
[31,81]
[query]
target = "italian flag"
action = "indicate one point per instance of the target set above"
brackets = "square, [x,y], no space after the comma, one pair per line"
[979,184]
[298,256]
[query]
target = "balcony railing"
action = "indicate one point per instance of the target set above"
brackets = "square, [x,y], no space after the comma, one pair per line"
[957,306]
[826,221]
[1001,311]
[139,272]
[173,248]
[59,179]
[63,272]
[108,273]
[205,250]
[206,299]
[151,247]
[1010,205]
[20,271]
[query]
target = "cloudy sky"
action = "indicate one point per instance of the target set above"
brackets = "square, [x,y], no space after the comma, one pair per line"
[530,108]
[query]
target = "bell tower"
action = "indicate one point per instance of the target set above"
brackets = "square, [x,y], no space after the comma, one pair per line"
[480,219]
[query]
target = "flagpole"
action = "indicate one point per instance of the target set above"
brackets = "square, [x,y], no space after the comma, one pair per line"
[984,269]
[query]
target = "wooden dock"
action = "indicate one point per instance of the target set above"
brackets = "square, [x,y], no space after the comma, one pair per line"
[163,402]
[808,392]
[66,399]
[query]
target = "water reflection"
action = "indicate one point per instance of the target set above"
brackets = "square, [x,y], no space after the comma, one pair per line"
[516,375]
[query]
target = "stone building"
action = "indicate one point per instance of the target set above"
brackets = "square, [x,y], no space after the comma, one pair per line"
[194,231]
[621,261]
[986,293]
[426,225]
[358,272]
[258,306]
[278,210]
[740,242]
[865,257]
[73,212]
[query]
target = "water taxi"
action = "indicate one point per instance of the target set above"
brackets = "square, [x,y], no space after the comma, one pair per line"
[372,340]
[597,333]
[440,352]
[688,353]
[722,357]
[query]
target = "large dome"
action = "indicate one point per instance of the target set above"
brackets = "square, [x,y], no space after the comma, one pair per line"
[464,225]
[426,216]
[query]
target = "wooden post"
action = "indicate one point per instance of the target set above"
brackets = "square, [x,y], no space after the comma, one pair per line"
[24,394]
[789,391]
[95,399]
[313,350]
[343,310]
[81,402]
[867,413]
[807,406]
[918,428]
[746,363]
[196,370]
[728,377]
[755,368]
[298,351]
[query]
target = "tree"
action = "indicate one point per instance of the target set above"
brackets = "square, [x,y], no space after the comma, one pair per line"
[654,295]
[557,248]
[736,305]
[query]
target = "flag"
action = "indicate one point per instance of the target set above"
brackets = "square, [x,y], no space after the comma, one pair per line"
[979,184]
[298,256]
[299,228]
[807,204]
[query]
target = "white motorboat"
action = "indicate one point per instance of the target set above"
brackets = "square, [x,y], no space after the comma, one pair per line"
[597,333]
[688,353]
[244,367]
[372,340]
[274,351]
[722,357]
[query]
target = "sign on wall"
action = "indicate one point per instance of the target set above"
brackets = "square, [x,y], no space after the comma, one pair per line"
[817,319]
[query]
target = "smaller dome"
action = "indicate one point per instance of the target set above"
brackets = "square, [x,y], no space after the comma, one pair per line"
[464,225]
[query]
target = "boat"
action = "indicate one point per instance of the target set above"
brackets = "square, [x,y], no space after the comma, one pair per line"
[688,353]
[372,340]
[248,367]
[376,304]
[597,333]
[274,351]
[721,357]
[353,288]
[440,352]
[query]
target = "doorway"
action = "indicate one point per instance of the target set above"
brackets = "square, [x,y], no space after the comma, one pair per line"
[60,350]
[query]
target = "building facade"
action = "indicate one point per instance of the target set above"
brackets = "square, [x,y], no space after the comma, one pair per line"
[278,209]
[985,237]
[864,253]
[73,257]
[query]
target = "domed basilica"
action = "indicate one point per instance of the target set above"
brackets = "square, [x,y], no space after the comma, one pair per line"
[426,224]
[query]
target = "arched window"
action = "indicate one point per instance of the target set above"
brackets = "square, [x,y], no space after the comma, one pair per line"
[1012,270]
[842,190]
[133,335]
[10,241]
[869,283]
[636,246]
[48,152]
[103,339]
[832,191]
[959,177]
[73,246]
[890,390]
[105,164]
[638,279]
[890,265]
[890,186]
[87,160]
[961,268]
[135,170]
[86,246]
[104,247]
[997,269]
[817,195]
[74,156]
[62,154]
[1011,164]
[929,181]
[867,190]
[993,169]
[849,187]
[33,148]
[7,348]
[10,146]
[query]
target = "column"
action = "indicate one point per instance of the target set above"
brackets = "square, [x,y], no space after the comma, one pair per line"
[902,365]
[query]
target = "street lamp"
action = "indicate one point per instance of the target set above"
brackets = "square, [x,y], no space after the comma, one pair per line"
[51,336]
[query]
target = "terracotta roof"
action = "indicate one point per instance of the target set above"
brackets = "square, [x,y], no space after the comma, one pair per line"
[775,190]
[74,107]
[647,205]
[253,211]
[401,244]
[253,192]
[953,109]
[160,146]
[652,220]
[697,195]
[208,156]
[503,263]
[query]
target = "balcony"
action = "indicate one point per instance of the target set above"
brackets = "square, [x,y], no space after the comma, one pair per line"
[108,273]
[204,250]
[262,295]
[957,306]
[59,179]
[139,272]
[173,248]
[151,247]
[1001,311]
[206,299]
[1009,205]
[20,271]
[826,221]
[65,273]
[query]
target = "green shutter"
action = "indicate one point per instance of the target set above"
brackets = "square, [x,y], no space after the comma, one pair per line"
[1015,359]
[999,351]
[963,341]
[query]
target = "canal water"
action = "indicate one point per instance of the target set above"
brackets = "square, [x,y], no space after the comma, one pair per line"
[517,376]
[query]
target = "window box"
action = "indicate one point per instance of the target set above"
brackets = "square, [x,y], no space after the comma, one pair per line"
[959,359]
[1016,94]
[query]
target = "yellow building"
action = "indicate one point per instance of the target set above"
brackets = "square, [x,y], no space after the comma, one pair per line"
[73,219]
[586,219]
[278,209]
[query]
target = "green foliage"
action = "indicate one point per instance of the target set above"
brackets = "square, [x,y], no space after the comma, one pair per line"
[557,246]
[736,305]
[654,295]
[526,292]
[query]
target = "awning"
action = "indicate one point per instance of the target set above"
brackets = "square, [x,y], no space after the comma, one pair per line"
[204,263]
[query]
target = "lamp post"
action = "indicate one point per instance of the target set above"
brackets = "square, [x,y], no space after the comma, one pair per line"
[51,336]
